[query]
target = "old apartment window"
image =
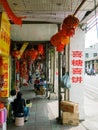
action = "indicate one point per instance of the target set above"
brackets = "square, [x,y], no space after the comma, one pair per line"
[95,54]
[86,55]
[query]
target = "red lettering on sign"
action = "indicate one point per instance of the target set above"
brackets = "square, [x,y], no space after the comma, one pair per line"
[77,70]
[77,54]
[77,62]
[77,79]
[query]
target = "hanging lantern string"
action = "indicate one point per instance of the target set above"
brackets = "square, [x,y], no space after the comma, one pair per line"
[71,5]
[83,1]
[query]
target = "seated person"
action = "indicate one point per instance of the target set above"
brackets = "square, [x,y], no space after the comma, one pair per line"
[10,101]
[19,107]
[12,96]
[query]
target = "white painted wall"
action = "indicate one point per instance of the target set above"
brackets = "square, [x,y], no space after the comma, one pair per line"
[77,43]
[33,32]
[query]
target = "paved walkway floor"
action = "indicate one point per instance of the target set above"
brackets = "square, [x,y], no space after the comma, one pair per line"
[43,114]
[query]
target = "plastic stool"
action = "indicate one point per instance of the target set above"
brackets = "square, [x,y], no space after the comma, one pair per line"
[19,121]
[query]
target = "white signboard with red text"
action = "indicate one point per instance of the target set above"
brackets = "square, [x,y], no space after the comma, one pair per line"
[77,44]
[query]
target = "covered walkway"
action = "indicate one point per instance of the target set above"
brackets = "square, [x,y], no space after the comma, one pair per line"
[43,114]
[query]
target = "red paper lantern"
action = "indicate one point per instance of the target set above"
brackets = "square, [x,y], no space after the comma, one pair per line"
[54,41]
[69,25]
[32,54]
[15,54]
[64,39]
[70,22]
[40,49]
[59,38]
[60,48]
[70,32]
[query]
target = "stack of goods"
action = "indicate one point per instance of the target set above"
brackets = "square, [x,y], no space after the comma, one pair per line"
[41,91]
[70,113]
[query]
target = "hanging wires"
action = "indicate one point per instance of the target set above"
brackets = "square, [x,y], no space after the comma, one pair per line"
[96,18]
[83,1]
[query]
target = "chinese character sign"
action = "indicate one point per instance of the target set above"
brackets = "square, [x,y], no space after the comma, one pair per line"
[4,77]
[77,66]
[76,69]
[4,35]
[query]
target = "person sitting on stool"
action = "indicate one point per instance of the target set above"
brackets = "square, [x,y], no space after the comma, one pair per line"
[19,107]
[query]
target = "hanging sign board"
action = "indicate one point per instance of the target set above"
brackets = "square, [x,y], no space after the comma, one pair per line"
[4,35]
[4,53]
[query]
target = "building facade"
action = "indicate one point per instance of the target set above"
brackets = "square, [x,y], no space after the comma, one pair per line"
[91,58]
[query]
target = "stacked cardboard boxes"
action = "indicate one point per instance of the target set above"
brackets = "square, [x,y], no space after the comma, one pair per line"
[68,106]
[70,113]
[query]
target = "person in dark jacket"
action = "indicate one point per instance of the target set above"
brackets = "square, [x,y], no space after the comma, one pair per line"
[19,106]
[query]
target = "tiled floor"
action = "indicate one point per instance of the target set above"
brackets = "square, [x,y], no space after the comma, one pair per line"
[41,116]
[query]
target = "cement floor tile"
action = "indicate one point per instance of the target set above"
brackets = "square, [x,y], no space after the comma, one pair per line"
[13,127]
[33,105]
[28,127]
[43,128]
[31,118]
[41,114]
[45,124]
[32,113]
[91,125]
[42,118]
[57,127]
[41,110]
[32,121]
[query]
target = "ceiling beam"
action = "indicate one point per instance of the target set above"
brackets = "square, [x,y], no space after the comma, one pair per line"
[30,42]
[37,22]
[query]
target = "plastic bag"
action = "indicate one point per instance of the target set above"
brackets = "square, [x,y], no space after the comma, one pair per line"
[65,82]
